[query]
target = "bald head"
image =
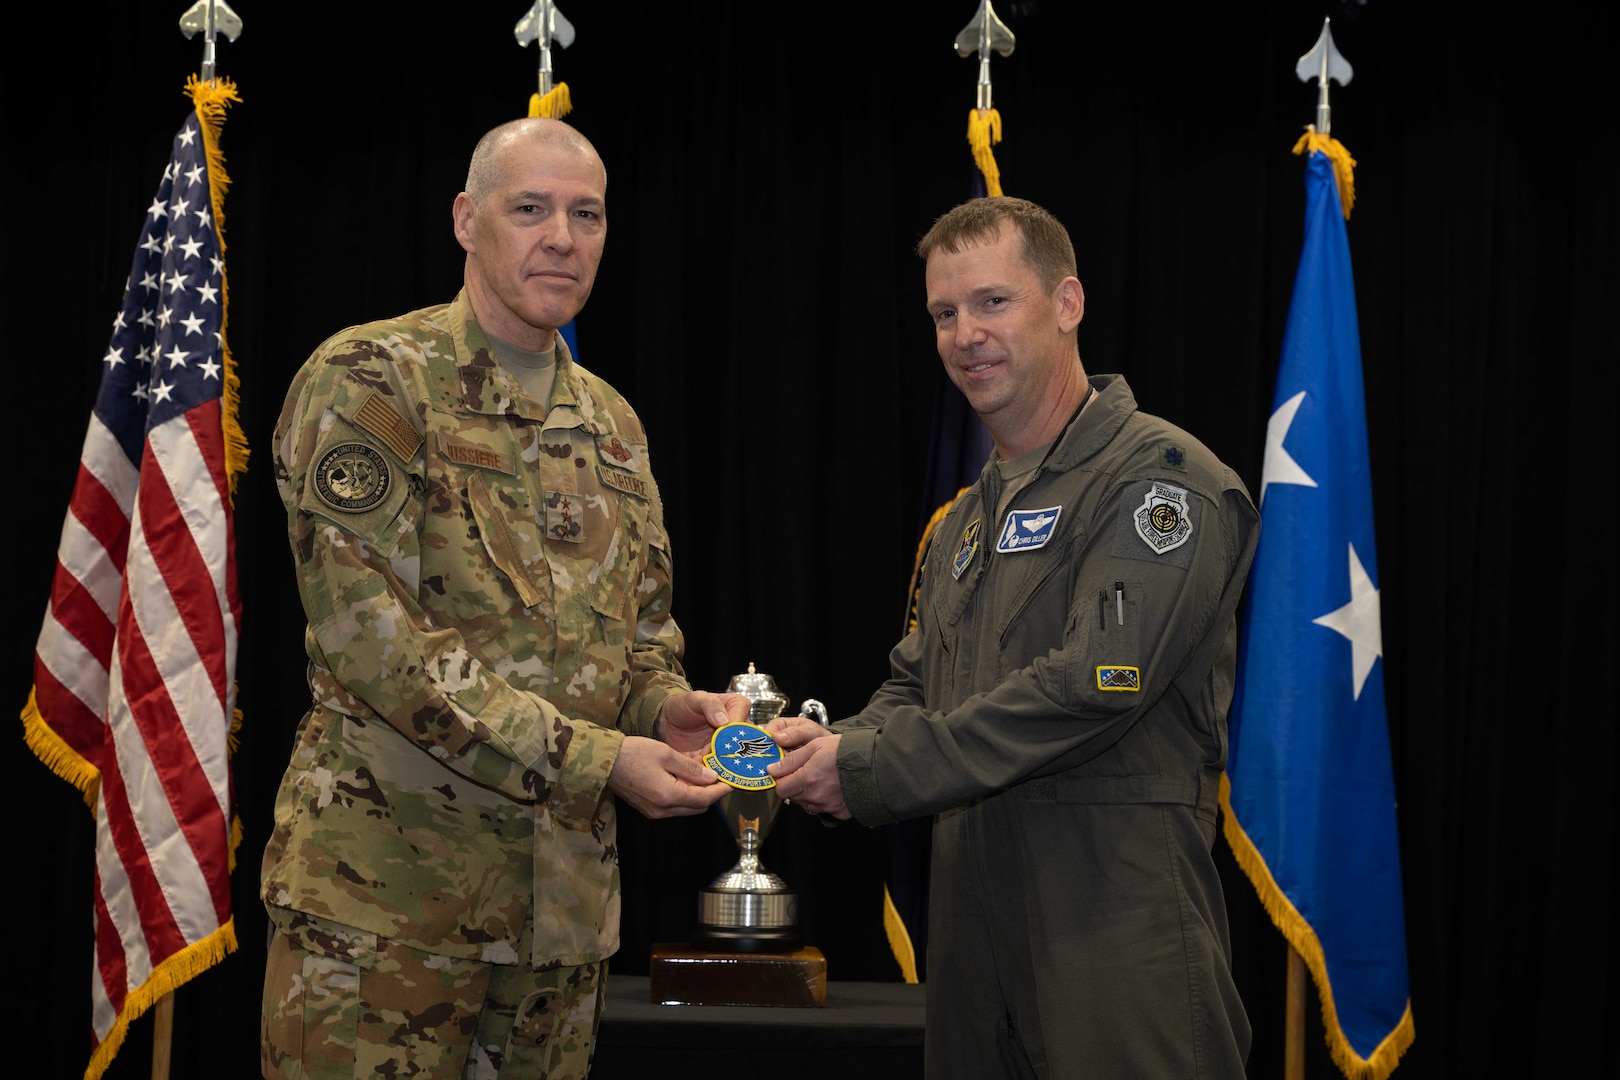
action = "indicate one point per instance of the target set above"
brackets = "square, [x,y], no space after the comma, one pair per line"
[533,221]
[484,170]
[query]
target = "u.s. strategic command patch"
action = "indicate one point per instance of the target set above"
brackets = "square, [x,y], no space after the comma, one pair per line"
[352,477]
[1164,520]
[740,752]
[1116,677]
[967,549]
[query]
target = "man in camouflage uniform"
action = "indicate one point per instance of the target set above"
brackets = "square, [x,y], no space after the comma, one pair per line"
[482,559]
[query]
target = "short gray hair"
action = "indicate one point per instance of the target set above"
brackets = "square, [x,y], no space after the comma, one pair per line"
[484,170]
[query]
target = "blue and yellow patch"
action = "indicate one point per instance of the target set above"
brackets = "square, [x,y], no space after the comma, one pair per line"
[1027,530]
[1116,677]
[967,549]
[739,753]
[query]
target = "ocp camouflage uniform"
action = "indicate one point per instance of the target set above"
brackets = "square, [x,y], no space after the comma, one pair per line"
[487,582]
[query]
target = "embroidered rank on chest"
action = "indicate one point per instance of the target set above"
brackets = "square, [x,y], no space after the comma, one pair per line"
[565,517]
[1027,530]
[1164,520]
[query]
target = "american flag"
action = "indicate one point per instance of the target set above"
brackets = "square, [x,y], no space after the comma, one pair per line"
[134,670]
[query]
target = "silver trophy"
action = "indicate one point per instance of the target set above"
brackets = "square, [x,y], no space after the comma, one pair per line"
[748,908]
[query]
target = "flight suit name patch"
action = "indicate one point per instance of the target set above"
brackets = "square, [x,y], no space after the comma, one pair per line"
[1027,530]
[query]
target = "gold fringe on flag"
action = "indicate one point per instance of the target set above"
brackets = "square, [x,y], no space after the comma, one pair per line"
[57,755]
[210,99]
[984,131]
[1343,164]
[554,105]
[1302,937]
[905,953]
[167,977]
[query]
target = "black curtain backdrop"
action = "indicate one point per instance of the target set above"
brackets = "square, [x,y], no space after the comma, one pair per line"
[771,169]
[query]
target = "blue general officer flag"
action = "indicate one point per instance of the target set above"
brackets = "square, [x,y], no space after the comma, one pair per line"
[1309,793]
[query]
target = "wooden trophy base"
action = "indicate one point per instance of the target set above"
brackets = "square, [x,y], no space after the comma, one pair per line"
[683,975]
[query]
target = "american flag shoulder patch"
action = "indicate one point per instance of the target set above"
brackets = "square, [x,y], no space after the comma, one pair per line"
[383,419]
[1115,677]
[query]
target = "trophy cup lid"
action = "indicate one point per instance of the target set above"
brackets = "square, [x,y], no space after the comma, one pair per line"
[756,686]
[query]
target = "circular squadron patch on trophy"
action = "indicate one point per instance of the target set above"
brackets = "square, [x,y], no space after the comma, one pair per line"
[740,752]
[352,477]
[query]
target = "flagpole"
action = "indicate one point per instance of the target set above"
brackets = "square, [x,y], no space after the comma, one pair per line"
[1324,64]
[1294,1036]
[208,17]
[983,35]
[546,26]
[162,1036]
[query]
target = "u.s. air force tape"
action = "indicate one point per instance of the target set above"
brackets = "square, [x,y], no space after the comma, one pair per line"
[352,477]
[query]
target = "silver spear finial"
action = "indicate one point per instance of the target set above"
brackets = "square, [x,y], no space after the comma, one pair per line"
[1324,63]
[210,17]
[545,24]
[984,33]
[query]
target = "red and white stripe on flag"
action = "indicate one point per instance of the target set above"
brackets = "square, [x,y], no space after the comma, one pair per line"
[134,669]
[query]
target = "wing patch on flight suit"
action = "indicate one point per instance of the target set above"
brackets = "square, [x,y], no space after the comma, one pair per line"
[967,549]
[1114,677]
[352,477]
[1027,530]
[1164,520]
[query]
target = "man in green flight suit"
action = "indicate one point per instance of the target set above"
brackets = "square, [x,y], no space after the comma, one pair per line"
[1060,709]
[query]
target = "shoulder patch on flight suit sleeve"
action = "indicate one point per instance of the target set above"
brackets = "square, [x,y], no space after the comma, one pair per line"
[1159,528]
